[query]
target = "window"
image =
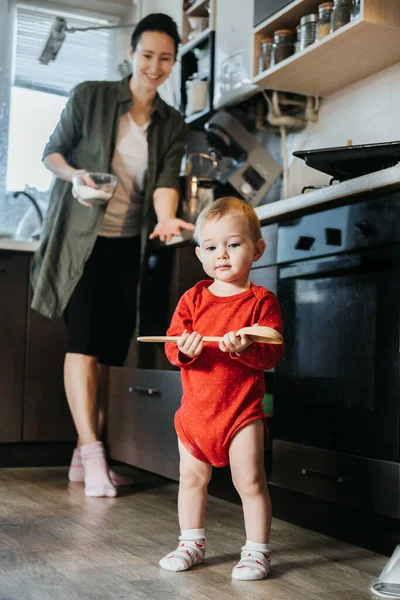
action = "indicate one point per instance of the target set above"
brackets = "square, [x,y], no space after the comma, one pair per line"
[39,92]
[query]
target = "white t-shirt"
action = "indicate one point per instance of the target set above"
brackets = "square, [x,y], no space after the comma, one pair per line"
[123,216]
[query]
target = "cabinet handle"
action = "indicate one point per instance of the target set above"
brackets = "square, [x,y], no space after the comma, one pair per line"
[145,391]
[323,475]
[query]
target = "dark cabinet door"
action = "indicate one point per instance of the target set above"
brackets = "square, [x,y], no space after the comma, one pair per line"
[141,430]
[14,272]
[170,272]
[46,413]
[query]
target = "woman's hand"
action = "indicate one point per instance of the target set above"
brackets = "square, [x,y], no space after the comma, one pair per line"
[190,344]
[234,342]
[88,181]
[167,228]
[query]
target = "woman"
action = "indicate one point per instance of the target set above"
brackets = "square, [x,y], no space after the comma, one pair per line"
[87,266]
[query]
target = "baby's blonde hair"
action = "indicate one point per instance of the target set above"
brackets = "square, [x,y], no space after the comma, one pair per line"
[228,206]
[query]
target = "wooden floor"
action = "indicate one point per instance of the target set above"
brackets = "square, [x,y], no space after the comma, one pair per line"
[56,544]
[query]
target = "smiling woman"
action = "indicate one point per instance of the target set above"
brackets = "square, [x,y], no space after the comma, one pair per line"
[87,267]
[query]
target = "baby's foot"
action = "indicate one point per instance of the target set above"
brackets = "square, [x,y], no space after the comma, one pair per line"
[187,555]
[253,564]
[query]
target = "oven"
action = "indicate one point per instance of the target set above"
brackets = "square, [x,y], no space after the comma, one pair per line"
[338,385]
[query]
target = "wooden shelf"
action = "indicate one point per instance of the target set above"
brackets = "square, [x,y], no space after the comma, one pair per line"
[196,42]
[198,9]
[360,48]
[201,8]
[198,115]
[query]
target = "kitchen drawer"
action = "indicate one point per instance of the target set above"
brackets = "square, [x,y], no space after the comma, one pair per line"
[343,478]
[141,431]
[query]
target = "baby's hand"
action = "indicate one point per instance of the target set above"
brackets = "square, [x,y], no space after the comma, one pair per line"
[190,344]
[234,342]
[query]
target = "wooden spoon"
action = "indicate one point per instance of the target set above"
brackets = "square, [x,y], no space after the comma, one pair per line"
[263,335]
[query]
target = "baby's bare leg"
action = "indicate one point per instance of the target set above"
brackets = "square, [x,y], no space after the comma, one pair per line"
[194,476]
[246,455]
[193,481]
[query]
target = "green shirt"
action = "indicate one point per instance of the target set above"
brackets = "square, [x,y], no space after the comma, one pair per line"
[85,136]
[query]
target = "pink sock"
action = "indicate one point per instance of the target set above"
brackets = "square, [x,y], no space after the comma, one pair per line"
[76,472]
[97,481]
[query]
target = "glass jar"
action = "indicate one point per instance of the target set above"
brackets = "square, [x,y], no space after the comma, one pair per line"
[264,60]
[355,13]
[308,25]
[324,20]
[297,40]
[283,45]
[341,13]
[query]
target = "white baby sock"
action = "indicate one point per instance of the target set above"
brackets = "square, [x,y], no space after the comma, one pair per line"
[255,559]
[190,552]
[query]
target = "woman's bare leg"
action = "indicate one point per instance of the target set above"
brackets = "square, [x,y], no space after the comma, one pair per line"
[81,383]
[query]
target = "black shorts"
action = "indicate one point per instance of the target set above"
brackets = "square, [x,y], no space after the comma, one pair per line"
[101,313]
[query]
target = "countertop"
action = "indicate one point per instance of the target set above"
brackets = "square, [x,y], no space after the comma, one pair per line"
[19,245]
[321,199]
[314,201]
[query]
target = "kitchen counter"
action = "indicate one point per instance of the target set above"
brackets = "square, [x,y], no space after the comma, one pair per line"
[289,208]
[19,245]
[321,199]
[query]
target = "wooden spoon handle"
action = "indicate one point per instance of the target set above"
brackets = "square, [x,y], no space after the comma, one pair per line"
[173,338]
[264,335]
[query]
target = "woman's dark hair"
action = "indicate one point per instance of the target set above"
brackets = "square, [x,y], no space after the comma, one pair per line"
[156,22]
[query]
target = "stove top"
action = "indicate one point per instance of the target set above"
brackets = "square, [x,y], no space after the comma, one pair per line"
[347,162]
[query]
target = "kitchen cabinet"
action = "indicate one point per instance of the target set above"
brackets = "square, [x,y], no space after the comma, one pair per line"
[141,430]
[197,56]
[33,403]
[46,412]
[233,53]
[169,273]
[340,478]
[362,47]
[14,273]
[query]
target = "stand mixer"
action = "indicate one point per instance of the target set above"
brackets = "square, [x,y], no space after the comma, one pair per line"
[242,161]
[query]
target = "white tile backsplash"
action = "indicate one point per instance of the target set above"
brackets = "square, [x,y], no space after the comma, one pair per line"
[365,112]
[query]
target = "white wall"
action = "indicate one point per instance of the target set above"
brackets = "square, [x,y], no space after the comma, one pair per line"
[365,112]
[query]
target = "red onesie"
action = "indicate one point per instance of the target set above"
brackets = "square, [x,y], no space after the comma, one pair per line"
[222,392]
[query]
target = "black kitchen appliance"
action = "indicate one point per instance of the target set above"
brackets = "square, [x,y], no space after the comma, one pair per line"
[346,162]
[263,10]
[338,385]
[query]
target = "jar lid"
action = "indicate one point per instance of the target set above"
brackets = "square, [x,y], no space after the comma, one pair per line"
[308,19]
[267,40]
[283,32]
[326,5]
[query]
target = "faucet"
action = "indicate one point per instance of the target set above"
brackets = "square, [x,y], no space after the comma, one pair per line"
[33,201]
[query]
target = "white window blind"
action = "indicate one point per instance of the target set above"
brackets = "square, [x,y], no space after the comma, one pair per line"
[84,55]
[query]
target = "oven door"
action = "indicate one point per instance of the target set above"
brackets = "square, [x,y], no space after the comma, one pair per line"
[338,384]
